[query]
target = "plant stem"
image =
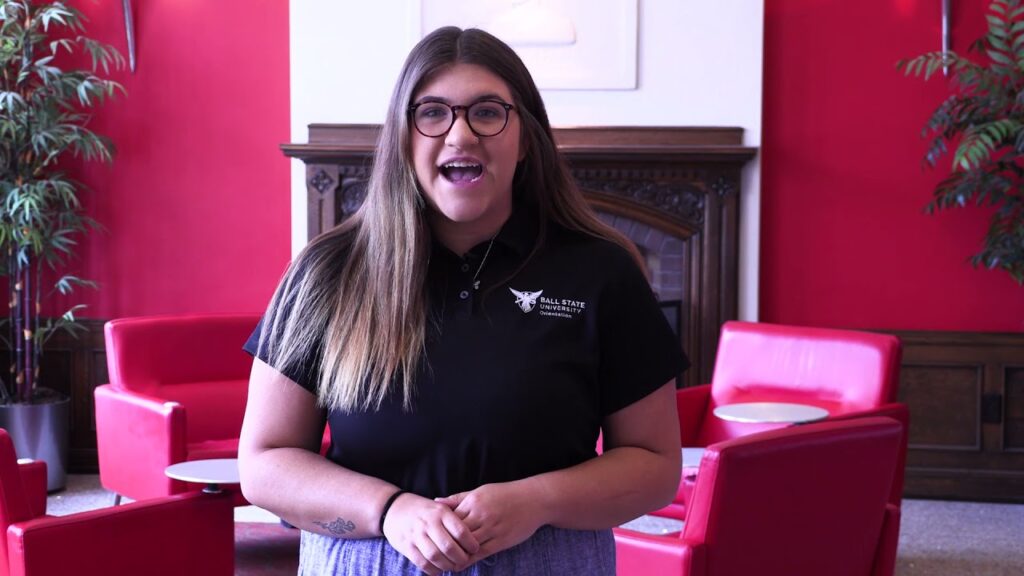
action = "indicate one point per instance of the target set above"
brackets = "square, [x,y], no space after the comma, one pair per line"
[26,389]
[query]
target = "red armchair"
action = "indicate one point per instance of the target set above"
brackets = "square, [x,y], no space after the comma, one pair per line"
[177,392]
[849,373]
[182,534]
[800,501]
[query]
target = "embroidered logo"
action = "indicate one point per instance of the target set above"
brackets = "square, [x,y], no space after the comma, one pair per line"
[555,307]
[526,300]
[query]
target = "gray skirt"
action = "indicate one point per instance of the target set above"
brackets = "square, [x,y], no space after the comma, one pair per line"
[550,551]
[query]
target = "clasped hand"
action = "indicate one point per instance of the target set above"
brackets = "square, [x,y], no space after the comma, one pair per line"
[455,532]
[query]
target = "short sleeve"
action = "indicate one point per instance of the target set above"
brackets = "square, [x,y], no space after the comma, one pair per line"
[639,352]
[303,371]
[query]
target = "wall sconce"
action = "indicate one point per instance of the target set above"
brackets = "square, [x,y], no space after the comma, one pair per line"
[129,30]
[945,35]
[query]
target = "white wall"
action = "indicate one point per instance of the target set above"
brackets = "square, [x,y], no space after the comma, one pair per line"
[699,65]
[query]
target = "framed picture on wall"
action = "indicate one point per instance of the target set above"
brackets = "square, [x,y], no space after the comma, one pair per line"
[566,44]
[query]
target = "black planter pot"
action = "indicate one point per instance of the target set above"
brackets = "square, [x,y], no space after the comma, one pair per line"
[40,431]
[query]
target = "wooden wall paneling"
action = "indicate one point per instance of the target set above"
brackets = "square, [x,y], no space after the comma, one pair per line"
[966,397]
[945,398]
[1014,411]
[87,354]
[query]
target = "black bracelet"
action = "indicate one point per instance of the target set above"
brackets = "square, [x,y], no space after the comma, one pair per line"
[387,506]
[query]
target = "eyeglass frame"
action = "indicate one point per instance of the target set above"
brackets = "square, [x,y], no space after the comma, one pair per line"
[455,115]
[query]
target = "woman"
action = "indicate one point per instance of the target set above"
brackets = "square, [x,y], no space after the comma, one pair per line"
[466,335]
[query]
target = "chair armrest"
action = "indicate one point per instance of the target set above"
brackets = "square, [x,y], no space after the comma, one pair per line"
[638,554]
[677,509]
[885,554]
[901,413]
[182,534]
[895,410]
[691,403]
[33,482]
[146,432]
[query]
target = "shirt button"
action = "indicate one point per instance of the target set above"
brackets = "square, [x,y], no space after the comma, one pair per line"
[464,294]
[465,267]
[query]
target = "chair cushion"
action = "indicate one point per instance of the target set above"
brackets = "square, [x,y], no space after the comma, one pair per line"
[145,352]
[213,449]
[851,370]
[213,409]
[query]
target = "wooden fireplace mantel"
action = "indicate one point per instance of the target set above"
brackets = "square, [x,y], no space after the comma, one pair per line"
[683,182]
[335,142]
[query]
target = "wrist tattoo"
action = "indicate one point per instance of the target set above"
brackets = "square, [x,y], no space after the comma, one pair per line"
[338,526]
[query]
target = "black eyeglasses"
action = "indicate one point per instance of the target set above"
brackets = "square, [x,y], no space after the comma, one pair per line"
[485,117]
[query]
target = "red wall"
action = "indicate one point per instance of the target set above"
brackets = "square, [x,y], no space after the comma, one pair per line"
[196,203]
[845,242]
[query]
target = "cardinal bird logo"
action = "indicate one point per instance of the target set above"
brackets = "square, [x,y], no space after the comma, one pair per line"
[526,300]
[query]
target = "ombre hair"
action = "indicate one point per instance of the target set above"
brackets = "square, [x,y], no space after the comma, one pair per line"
[355,298]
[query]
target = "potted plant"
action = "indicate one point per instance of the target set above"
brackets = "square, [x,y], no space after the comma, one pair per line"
[983,118]
[43,120]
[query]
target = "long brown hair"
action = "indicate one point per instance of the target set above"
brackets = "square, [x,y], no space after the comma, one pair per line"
[355,297]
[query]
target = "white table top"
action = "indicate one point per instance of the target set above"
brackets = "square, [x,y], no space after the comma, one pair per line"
[214,471]
[692,456]
[774,412]
[649,524]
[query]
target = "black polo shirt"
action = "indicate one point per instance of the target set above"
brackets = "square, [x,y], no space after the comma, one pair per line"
[519,373]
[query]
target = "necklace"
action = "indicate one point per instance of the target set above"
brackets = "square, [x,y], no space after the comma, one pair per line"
[476,283]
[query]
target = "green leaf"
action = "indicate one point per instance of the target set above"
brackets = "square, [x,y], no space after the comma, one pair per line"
[996,27]
[999,57]
[999,44]
[1018,40]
